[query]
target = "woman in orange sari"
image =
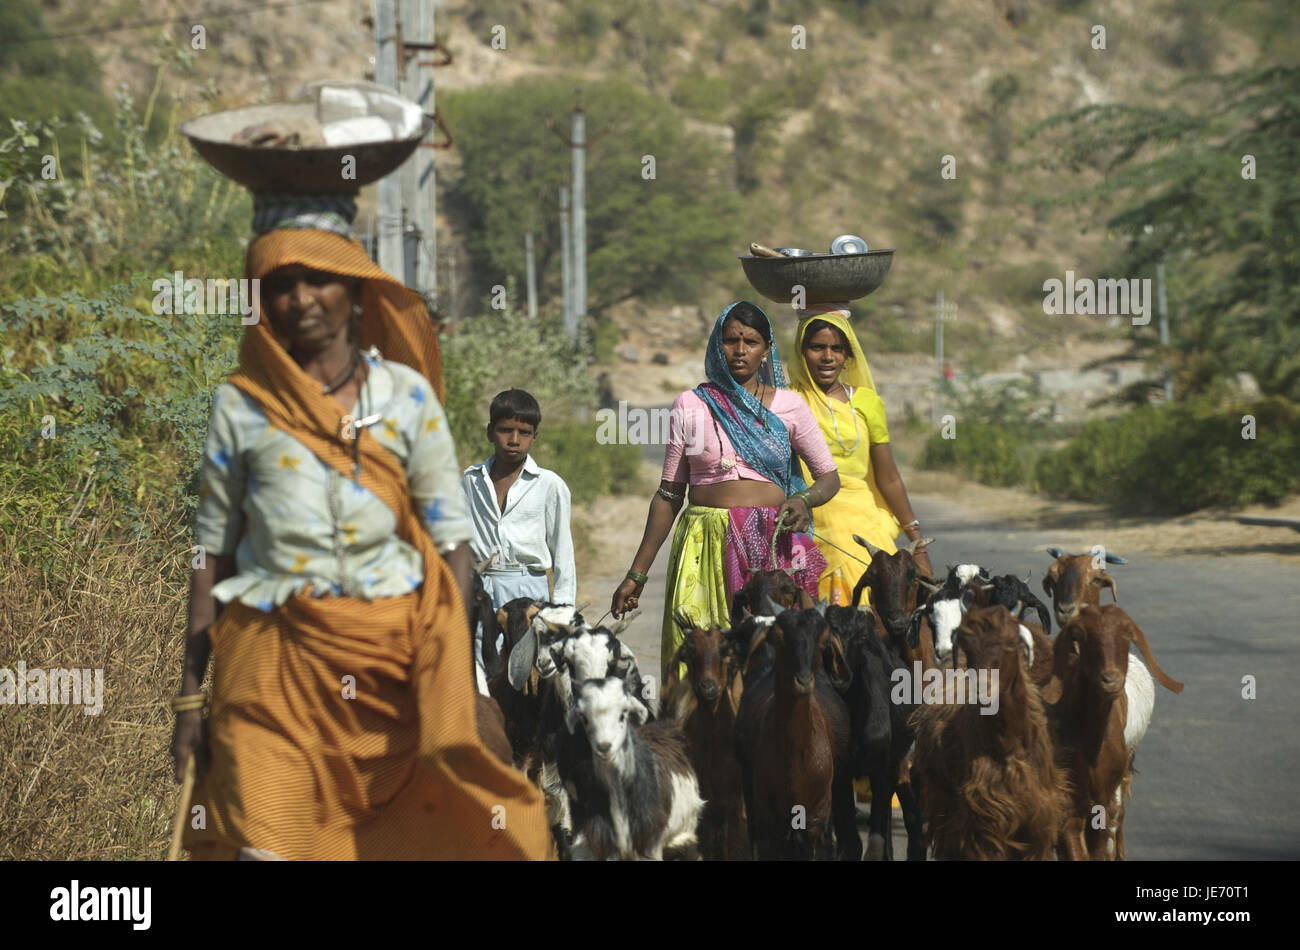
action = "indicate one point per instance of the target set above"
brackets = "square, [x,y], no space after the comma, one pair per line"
[342,721]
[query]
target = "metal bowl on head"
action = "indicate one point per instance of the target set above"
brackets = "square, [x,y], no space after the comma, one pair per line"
[826,278]
[296,171]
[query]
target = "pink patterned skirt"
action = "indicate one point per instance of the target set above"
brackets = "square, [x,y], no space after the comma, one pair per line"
[749,550]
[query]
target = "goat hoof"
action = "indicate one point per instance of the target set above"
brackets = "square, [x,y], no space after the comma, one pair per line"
[875,847]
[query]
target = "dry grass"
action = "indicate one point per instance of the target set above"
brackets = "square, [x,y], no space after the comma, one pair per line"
[77,786]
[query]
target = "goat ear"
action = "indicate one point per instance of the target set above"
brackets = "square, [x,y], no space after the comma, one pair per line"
[672,677]
[914,629]
[1051,692]
[1108,581]
[522,658]
[840,672]
[638,710]
[1050,578]
[821,607]
[1140,638]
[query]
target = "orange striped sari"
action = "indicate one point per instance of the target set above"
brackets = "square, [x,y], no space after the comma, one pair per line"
[342,728]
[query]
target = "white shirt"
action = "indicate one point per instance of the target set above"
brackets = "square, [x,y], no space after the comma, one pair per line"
[532,534]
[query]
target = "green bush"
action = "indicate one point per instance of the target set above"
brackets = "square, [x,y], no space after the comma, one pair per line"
[983,451]
[1177,459]
[587,467]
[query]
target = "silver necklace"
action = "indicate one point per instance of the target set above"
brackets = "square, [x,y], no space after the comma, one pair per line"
[836,426]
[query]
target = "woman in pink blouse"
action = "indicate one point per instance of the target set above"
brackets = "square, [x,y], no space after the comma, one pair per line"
[736,441]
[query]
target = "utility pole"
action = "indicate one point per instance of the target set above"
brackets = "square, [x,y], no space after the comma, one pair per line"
[531,270]
[390,253]
[566,274]
[417,173]
[942,313]
[1164,326]
[579,144]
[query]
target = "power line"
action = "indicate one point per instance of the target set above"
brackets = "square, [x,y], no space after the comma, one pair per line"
[142,24]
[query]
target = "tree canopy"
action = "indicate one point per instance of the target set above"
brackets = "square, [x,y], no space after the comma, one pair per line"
[1218,189]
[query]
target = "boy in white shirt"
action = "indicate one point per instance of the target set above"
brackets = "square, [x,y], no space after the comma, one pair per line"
[520,512]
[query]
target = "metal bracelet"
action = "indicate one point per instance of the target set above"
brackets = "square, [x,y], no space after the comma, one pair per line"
[637,576]
[912,524]
[667,495]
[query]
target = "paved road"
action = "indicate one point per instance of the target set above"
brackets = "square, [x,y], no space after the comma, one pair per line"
[1216,773]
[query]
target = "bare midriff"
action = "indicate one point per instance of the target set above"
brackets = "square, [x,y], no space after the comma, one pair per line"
[737,493]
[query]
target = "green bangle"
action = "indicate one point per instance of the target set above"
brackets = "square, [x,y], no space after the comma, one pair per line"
[639,578]
[807,498]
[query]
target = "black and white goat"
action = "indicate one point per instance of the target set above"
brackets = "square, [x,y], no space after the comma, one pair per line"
[650,797]
[943,609]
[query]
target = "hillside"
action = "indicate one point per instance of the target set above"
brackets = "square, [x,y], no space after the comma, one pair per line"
[845,134]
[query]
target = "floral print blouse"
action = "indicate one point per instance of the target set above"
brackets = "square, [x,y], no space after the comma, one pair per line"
[292,520]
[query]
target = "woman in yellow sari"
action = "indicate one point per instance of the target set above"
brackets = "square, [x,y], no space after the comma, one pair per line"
[343,718]
[833,377]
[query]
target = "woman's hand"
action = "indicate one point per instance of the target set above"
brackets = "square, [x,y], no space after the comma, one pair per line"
[189,739]
[794,514]
[626,597]
[923,562]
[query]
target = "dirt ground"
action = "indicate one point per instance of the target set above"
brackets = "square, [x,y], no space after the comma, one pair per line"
[613,527]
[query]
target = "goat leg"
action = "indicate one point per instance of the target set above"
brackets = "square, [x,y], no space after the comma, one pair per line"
[912,820]
[844,811]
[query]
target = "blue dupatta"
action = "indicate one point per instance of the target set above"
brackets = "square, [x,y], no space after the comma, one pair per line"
[757,434]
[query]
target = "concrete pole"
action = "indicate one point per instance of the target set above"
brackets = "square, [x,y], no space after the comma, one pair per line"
[1164,326]
[566,275]
[390,254]
[417,172]
[579,213]
[938,355]
[532,276]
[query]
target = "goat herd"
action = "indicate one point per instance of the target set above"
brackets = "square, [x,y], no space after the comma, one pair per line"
[999,742]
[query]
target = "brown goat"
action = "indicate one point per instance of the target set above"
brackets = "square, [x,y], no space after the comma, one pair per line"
[792,740]
[1074,580]
[1090,696]
[706,703]
[993,790]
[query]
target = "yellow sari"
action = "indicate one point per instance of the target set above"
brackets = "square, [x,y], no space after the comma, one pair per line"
[850,429]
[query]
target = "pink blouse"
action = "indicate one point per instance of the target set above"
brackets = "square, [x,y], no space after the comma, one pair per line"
[696,447]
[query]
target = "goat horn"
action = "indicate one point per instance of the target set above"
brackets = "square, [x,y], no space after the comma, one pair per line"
[623,622]
[911,546]
[1055,552]
[871,548]
[929,583]
[866,609]
[1115,559]
[482,565]
[771,606]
